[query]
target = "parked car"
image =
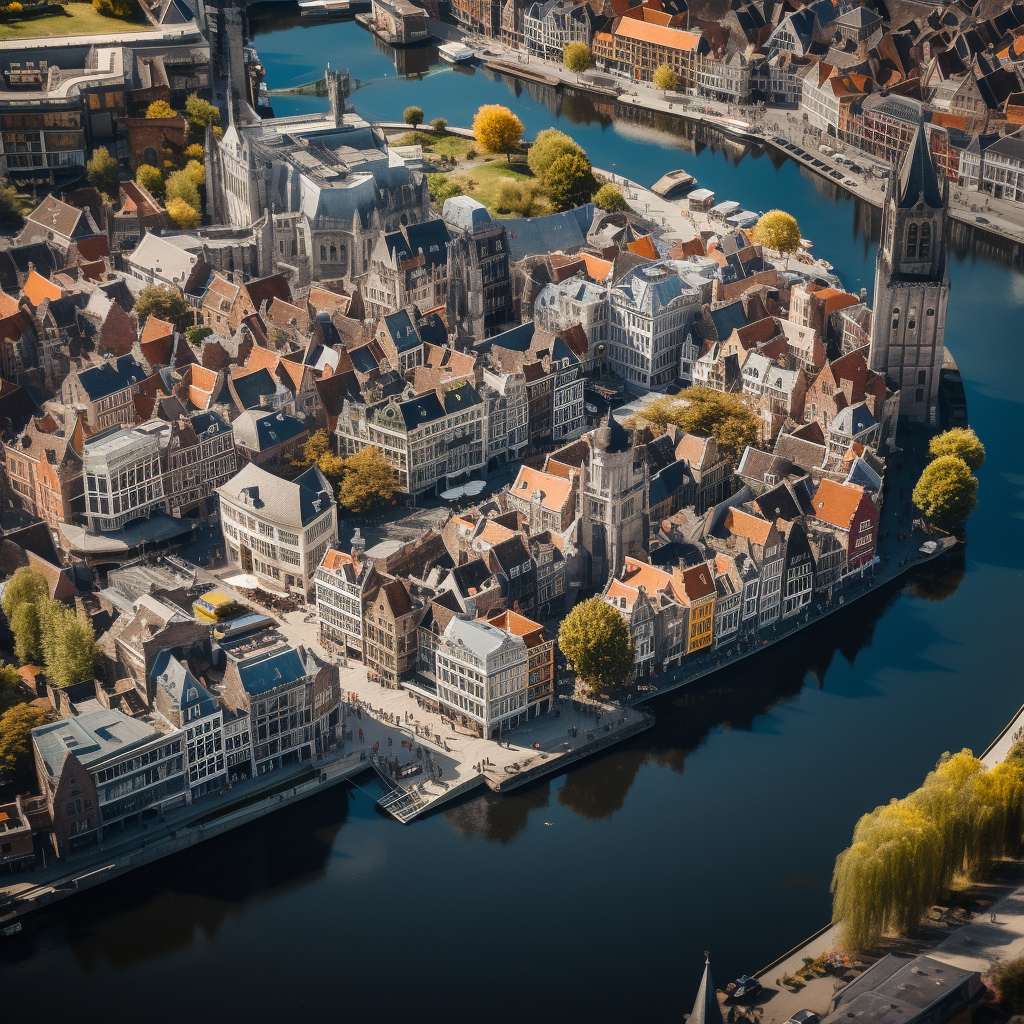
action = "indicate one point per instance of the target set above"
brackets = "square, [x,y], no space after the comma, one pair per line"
[743,987]
[804,1017]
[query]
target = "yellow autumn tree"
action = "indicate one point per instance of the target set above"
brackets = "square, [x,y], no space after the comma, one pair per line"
[497,129]
[777,230]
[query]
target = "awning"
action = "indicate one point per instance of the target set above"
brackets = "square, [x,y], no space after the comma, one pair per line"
[724,209]
[244,581]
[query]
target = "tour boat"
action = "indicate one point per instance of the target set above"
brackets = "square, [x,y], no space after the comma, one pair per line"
[455,53]
[323,8]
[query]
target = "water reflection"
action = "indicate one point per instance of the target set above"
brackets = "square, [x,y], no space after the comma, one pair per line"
[733,699]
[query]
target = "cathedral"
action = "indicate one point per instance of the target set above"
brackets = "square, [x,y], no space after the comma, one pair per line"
[912,284]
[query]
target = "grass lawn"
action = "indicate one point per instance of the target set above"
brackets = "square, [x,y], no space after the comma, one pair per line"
[451,146]
[80,19]
[483,183]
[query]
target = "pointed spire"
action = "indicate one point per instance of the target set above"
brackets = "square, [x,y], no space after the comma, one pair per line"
[706,1009]
[917,174]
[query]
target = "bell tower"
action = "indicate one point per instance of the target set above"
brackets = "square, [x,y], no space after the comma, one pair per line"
[908,322]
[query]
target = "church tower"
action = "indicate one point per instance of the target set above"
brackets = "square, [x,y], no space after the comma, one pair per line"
[912,284]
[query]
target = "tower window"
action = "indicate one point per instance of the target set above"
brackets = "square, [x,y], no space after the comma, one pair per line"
[912,318]
[895,319]
[334,254]
[924,251]
[911,250]
[922,377]
[919,395]
[931,312]
[323,253]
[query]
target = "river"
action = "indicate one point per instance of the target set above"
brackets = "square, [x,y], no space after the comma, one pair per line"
[592,894]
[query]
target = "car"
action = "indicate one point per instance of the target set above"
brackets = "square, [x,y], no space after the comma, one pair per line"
[804,1017]
[743,987]
[981,220]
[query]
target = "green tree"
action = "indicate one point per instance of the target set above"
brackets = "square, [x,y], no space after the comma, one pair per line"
[26,586]
[595,639]
[1008,979]
[549,145]
[27,630]
[150,178]
[199,113]
[195,172]
[440,125]
[569,182]
[368,480]
[195,335]
[103,172]
[9,680]
[665,77]
[182,215]
[160,108]
[516,197]
[777,230]
[609,197]
[946,492]
[16,725]
[181,185]
[162,301]
[577,57]
[115,8]
[497,129]
[413,116]
[441,187]
[11,216]
[69,645]
[701,410]
[963,443]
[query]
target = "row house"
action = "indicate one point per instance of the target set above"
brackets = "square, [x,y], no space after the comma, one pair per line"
[577,302]
[512,566]
[545,500]
[776,393]
[391,618]
[432,441]
[290,698]
[506,413]
[199,456]
[481,16]
[995,166]
[641,47]
[842,383]
[342,583]
[278,530]
[885,125]
[540,666]
[725,77]
[403,338]
[801,31]
[826,91]
[104,394]
[44,467]
[651,314]
[548,26]
[854,513]
[408,267]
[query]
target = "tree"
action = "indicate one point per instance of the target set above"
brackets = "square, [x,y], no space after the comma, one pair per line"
[199,113]
[26,586]
[195,152]
[115,8]
[701,410]
[576,57]
[439,125]
[11,217]
[549,145]
[1008,979]
[946,492]
[368,480]
[69,645]
[961,442]
[9,680]
[16,725]
[595,639]
[569,182]
[182,215]
[195,335]
[777,230]
[103,172]
[497,129]
[665,77]
[195,172]
[160,108]
[609,197]
[413,116]
[150,178]
[163,302]
[180,185]
[441,187]
[516,197]
[27,630]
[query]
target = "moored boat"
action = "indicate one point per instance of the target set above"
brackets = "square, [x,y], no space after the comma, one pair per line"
[455,53]
[323,8]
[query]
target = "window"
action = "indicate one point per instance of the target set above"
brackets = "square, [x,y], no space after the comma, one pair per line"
[919,395]
[912,318]
[895,319]
[323,253]
[911,250]
[334,254]
[924,251]
[922,377]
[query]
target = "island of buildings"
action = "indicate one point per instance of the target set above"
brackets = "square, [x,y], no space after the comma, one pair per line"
[335,297]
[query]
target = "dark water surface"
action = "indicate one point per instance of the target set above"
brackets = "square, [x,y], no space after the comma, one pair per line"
[584,895]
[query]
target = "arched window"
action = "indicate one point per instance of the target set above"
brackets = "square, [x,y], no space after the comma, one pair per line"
[912,318]
[895,319]
[334,253]
[931,312]
[924,251]
[341,255]
[323,253]
[911,250]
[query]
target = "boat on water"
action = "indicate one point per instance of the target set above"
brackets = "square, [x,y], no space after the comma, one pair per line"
[733,126]
[456,53]
[324,8]
[674,183]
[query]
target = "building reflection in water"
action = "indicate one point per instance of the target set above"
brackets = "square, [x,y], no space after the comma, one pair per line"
[731,699]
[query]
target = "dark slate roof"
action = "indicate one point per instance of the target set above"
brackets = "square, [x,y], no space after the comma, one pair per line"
[37,253]
[462,397]
[510,553]
[675,553]
[917,175]
[314,490]
[421,409]
[253,387]
[728,319]
[430,238]
[273,429]
[532,236]
[363,359]
[432,330]
[259,675]
[670,480]
[472,575]
[518,339]
[113,375]
[204,421]
[391,383]
[778,503]
[403,333]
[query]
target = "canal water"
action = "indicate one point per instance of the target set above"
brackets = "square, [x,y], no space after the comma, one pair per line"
[593,894]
